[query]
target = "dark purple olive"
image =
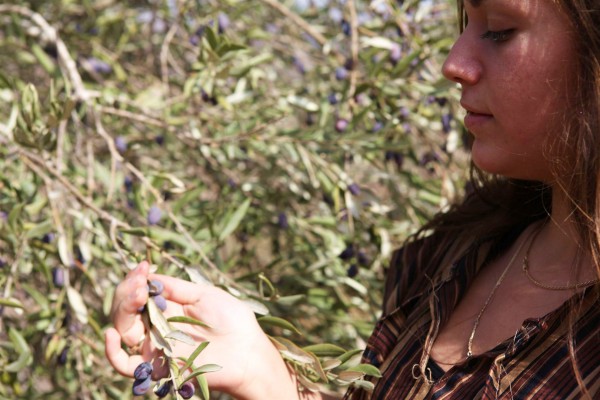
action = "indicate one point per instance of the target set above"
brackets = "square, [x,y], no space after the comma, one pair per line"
[58,277]
[186,390]
[346,28]
[362,259]
[143,371]
[223,22]
[341,73]
[154,215]
[282,221]
[79,255]
[352,271]
[160,302]
[121,144]
[128,183]
[205,96]
[155,287]
[332,98]
[446,122]
[98,66]
[354,189]
[51,50]
[341,124]
[441,101]
[377,126]
[348,253]
[349,64]
[62,357]
[141,386]
[429,157]
[163,390]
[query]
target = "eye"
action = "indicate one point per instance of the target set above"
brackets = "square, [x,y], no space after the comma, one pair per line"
[498,36]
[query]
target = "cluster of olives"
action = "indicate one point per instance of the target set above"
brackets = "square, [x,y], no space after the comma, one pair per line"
[155,288]
[143,381]
[143,372]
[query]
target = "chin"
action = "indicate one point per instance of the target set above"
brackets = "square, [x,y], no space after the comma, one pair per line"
[512,171]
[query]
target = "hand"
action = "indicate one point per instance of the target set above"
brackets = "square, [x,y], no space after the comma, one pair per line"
[251,365]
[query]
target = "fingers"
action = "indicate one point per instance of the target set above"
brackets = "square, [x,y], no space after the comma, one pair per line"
[130,295]
[180,291]
[126,364]
[122,362]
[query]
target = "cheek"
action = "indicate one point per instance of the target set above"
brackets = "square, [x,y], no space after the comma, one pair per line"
[532,101]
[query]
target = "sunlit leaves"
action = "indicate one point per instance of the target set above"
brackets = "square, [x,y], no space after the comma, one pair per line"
[231,134]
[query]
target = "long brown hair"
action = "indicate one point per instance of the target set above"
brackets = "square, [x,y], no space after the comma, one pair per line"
[495,205]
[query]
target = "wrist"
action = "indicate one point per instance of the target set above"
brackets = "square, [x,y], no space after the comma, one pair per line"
[270,378]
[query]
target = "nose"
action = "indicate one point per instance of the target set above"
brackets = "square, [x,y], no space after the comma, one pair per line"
[463,65]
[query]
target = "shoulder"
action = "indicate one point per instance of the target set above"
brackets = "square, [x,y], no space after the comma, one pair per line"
[414,267]
[424,261]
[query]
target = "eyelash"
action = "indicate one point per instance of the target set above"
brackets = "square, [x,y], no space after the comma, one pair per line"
[497,36]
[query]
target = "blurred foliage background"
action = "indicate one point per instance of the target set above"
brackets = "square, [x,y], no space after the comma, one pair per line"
[278,148]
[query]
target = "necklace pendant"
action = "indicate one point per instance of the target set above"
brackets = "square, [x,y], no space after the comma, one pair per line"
[469,354]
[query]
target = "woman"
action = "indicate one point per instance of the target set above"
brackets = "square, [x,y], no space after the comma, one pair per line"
[496,298]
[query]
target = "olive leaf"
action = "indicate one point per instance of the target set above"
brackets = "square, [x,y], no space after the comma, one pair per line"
[181,337]
[324,350]
[157,319]
[203,370]
[159,341]
[366,369]
[187,320]
[291,351]
[279,322]
[20,344]
[77,304]
[11,302]
[190,360]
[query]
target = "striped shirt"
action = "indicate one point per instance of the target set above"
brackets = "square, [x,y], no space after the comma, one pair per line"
[533,364]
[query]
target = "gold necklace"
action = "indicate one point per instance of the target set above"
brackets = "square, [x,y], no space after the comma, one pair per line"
[543,285]
[489,299]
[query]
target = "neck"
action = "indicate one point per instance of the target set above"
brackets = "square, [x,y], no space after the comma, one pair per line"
[559,242]
[562,229]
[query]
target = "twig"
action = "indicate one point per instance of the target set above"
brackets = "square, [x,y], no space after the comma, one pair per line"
[33,161]
[164,57]
[296,19]
[113,237]
[29,157]
[134,117]
[302,24]
[13,270]
[60,142]
[90,182]
[115,157]
[64,58]
[353,48]
[172,216]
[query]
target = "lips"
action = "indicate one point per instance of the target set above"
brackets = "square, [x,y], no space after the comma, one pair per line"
[475,117]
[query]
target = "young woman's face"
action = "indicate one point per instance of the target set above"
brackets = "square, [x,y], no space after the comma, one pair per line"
[514,61]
